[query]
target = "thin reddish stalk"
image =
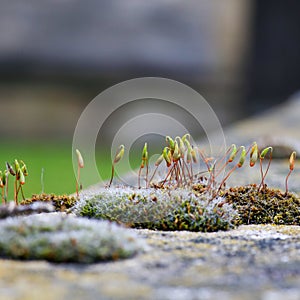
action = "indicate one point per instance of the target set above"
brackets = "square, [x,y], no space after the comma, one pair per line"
[112,174]
[149,182]
[187,168]
[226,177]
[169,172]
[147,172]
[77,181]
[3,199]
[261,171]
[221,159]
[286,182]
[204,159]
[15,192]
[6,189]
[139,177]
[182,171]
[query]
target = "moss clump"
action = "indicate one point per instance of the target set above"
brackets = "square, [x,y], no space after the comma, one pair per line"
[267,206]
[59,238]
[60,202]
[189,215]
[160,209]
[192,209]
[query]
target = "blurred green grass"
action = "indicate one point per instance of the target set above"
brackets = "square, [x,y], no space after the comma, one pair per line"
[54,157]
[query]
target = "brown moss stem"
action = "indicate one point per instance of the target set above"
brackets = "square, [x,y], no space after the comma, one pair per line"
[112,174]
[286,182]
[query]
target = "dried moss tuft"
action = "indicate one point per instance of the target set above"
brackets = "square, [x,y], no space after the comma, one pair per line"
[60,202]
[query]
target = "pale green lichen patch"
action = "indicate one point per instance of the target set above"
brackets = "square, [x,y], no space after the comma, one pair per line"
[62,238]
[160,209]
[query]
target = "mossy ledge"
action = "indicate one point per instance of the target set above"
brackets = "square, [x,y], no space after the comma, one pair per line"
[183,208]
[192,209]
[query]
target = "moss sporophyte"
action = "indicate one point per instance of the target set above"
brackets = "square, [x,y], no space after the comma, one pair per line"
[19,171]
[186,190]
[80,165]
[188,198]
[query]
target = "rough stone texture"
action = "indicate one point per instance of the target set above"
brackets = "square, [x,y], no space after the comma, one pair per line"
[252,262]
[11,209]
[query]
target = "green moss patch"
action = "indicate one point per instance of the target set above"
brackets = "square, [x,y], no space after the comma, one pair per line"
[192,209]
[160,209]
[183,208]
[267,206]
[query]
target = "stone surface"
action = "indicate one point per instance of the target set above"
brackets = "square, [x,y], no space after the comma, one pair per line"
[252,262]
[11,209]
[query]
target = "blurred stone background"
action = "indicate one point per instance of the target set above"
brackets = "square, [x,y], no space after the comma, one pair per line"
[56,56]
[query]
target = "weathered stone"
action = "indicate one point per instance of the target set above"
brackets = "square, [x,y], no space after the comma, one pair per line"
[251,262]
[11,209]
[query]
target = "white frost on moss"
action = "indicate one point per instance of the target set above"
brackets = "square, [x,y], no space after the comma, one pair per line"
[144,206]
[63,238]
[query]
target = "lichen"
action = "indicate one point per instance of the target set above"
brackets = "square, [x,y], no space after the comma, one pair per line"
[159,209]
[63,238]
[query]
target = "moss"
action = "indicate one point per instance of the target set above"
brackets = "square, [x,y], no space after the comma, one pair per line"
[183,208]
[158,209]
[192,208]
[267,206]
[60,202]
[59,238]
[189,215]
